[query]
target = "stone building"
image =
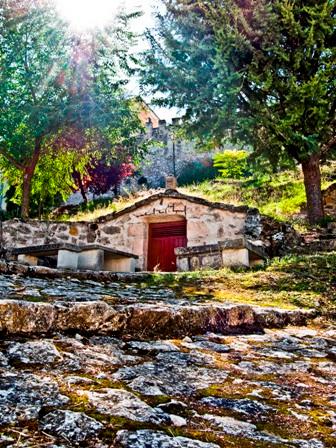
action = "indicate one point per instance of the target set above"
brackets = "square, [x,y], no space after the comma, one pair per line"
[166,231]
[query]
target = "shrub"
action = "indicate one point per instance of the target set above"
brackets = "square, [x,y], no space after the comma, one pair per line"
[232,164]
[196,172]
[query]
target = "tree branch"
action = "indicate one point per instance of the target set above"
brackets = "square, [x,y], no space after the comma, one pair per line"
[28,72]
[329,146]
[11,159]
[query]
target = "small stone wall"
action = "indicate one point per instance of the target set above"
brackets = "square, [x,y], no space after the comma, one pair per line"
[329,200]
[160,159]
[228,253]
[196,258]
[17,233]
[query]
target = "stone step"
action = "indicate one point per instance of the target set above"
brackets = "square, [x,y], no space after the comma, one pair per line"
[317,246]
[143,320]
[14,268]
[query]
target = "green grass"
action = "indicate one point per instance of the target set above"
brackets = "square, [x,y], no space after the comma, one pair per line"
[281,196]
[96,210]
[290,282]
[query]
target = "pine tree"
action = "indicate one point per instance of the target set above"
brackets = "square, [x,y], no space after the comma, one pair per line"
[265,76]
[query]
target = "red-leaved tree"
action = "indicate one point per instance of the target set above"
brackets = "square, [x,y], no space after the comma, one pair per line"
[104,176]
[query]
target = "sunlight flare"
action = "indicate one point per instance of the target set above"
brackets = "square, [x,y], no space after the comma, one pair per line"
[88,14]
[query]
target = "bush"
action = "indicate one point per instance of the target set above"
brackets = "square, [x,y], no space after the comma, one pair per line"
[196,172]
[232,164]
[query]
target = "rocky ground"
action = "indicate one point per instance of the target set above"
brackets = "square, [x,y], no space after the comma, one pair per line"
[272,388]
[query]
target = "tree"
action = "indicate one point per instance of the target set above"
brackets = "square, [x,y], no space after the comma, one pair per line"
[259,72]
[232,164]
[33,52]
[104,175]
[53,180]
[52,81]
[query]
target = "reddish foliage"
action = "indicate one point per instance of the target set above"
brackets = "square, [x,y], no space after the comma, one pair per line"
[70,138]
[104,177]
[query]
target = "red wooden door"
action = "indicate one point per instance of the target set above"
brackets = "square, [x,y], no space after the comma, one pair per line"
[163,239]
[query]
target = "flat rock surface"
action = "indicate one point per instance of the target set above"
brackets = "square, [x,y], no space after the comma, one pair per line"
[76,427]
[33,352]
[24,395]
[39,306]
[275,389]
[157,439]
[121,403]
[262,391]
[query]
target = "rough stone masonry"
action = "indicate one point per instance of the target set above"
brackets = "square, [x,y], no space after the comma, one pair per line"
[207,224]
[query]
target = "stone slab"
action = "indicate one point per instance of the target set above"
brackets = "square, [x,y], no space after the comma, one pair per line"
[143,320]
[91,259]
[52,249]
[67,259]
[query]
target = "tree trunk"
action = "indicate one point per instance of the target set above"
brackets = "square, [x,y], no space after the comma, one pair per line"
[79,182]
[27,178]
[312,180]
[28,173]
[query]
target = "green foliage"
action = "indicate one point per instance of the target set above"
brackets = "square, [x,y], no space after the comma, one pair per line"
[261,72]
[232,164]
[54,84]
[34,50]
[95,204]
[280,195]
[258,72]
[196,172]
[180,69]
[53,180]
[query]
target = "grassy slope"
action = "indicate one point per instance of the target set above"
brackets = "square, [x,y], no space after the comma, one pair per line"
[282,196]
[305,281]
[96,212]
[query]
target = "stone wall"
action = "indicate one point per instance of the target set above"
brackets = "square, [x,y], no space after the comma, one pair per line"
[329,200]
[158,162]
[17,233]
[127,230]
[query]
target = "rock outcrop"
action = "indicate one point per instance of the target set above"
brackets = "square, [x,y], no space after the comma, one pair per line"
[270,390]
[141,320]
[120,365]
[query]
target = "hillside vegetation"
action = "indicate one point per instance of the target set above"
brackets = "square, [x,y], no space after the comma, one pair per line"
[280,196]
[307,281]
